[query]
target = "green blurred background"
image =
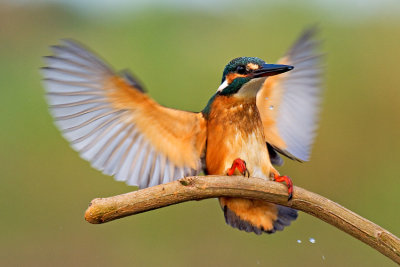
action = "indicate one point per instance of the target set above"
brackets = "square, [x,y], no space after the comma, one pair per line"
[179,49]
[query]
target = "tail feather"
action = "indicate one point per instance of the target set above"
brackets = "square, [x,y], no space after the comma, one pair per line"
[233,220]
[285,217]
[256,216]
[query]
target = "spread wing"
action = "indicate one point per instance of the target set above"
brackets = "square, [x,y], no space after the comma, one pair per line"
[289,103]
[113,124]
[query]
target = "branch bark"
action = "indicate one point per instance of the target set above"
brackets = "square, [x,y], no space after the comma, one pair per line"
[103,210]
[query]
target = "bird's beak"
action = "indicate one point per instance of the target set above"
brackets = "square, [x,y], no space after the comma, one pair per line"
[271,70]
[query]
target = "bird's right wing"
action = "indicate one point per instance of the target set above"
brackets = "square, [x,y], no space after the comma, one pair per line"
[115,125]
[289,103]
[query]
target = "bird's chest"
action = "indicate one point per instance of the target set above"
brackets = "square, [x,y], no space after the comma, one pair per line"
[235,131]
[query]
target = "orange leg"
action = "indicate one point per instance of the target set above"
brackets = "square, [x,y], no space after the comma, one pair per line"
[240,165]
[288,182]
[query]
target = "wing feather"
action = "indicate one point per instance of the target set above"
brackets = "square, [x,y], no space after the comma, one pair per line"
[113,124]
[289,103]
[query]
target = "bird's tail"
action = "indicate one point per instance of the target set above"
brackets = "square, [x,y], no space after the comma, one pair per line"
[256,215]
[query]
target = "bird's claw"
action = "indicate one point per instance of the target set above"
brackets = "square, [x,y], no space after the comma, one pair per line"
[288,182]
[240,165]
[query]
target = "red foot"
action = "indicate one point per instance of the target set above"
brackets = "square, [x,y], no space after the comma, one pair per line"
[288,182]
[240,165]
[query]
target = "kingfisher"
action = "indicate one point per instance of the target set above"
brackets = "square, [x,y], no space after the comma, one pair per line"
[258,113]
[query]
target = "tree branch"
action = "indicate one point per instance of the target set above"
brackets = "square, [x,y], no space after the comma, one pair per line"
[103,210]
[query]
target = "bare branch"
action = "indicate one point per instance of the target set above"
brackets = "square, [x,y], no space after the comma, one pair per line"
[103,210]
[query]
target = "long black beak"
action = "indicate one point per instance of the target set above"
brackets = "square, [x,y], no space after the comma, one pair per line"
[271,70]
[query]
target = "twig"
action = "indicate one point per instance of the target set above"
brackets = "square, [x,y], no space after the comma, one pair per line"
[103,210]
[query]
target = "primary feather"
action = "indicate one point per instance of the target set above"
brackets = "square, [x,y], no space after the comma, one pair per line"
[113,124]
[289,103]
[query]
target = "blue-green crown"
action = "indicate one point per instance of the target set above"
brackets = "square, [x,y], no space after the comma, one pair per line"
[231,67]
[237,83]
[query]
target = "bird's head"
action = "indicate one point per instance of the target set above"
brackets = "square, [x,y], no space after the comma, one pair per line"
[245,75]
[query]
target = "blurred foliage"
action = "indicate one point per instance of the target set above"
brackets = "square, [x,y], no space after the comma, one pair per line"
[179,55]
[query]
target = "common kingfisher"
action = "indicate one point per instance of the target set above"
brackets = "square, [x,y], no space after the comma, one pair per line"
[247,124]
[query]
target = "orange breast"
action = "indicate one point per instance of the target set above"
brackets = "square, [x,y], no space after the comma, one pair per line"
[235,131]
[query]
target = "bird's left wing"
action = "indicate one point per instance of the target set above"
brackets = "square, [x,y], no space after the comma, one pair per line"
[113,124]
[288,103]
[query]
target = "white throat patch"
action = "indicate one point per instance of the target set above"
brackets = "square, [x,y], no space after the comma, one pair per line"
[223,86]
[251,88]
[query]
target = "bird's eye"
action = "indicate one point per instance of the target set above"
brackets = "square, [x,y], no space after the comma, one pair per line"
[241,69]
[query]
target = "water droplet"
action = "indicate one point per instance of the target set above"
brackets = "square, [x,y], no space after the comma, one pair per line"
[271,107]
[299,241]
[312,240]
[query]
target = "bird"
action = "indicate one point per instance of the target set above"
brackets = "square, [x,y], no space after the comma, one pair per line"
[259,113]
